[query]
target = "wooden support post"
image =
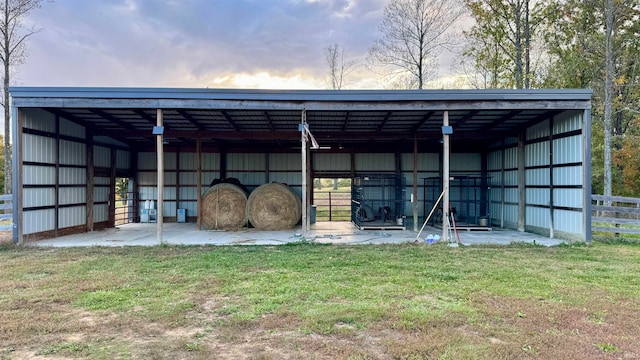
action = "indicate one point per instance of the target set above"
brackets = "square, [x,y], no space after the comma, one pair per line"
[414,204]
[112,188]
[160,170]
[445,180]
[199,182]
[90,182]
[17,181]
[522,191]
[303,154]
[56,195]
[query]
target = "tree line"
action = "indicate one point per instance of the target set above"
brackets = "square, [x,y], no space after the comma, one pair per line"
[527,44]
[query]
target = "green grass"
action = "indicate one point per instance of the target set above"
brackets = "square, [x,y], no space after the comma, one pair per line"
[518,294]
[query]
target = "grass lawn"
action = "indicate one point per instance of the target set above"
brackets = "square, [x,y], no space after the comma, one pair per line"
[321,302]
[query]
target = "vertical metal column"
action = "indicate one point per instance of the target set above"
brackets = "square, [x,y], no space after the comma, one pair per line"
[160,170]
[445,180]
[303,140]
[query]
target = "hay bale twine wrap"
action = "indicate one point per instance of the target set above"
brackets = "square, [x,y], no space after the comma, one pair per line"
[224,207]
[274,206]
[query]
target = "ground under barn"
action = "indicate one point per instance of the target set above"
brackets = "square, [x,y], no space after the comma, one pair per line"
[339,233]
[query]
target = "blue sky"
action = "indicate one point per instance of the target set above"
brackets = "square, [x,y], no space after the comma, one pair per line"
[199,43]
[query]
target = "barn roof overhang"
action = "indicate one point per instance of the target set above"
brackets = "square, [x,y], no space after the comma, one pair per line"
[268,119]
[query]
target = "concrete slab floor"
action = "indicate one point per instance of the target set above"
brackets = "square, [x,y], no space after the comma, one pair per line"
[143,234]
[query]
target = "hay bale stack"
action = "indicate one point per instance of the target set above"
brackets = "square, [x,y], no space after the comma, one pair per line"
[273,207]
[224,207]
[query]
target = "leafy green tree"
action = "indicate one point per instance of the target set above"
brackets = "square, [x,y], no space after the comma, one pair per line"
[502,39]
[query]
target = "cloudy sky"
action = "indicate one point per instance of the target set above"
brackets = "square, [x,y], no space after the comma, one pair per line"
[200,43]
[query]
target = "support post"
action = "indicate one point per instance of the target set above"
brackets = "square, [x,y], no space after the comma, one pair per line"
[16,166]
[160,170]
[303,140]
[199,182]
[522,192]
[90,181]
[445,180]
[414,204]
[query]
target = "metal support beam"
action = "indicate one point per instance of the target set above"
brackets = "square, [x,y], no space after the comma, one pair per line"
[160,170]
[303,154]
[445,180]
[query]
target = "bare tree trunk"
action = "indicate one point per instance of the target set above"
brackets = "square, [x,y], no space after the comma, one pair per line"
[527,47]
[518,44]
[6,105]
[608,87]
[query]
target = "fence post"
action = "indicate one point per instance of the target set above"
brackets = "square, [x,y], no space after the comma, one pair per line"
[329,205]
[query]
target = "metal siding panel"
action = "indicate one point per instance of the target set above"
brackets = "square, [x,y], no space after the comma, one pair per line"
[70,128]
[286,177]
[101,156]
[189,193]
[38,149]
[511,178]
[38,197]
[148,193]
[537,154]
[568,198]
[72,176]
[187,161]
[538,131]
[108,140]
[331,162]
[170,160]
[494,160]
[100,180]
[189,178]
[100,212]
[466,162]
[100,194]
[147,178]
[537,177]
[72,153]
[39,120]
[291,162]
[567,150]
[511,214]
[74,195]
[567,121]
[169,208]
[247,178]
[538,196]
[38,221]
[538,217]
[571,175]
[169,193]
[374,162]
[38,175]
[511,195]
[568,221]
[426,162]
[72,216]
[147,161]
[208,177]
[169,178]
[241,161]
[210,161]
[123,159]
[511,158]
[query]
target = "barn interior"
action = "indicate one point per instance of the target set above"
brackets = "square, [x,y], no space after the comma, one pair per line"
[254,135]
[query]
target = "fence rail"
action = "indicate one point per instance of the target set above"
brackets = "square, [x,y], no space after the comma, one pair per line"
[333,206]
[6,207]
[615,214]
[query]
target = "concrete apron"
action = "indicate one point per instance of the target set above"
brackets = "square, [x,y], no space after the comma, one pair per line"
[140,234]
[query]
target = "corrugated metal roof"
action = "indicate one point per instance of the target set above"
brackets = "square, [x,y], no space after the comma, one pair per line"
[269,118]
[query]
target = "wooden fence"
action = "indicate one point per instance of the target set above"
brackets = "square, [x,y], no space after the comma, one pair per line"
[6,206]
[615,214]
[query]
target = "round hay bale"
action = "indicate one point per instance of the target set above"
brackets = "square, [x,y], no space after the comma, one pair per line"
[273,206]
[224,207]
